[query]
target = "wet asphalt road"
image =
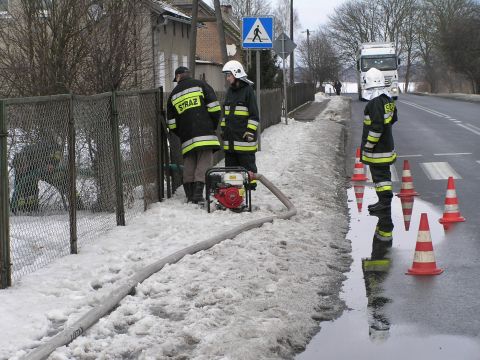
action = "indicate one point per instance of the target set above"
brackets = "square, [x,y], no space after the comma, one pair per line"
[433,317]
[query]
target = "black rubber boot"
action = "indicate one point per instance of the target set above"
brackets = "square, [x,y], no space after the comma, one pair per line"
[383,206]
[197,196]
[188,187]
[373,205]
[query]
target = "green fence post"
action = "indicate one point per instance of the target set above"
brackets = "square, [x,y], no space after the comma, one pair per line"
[72,179]
[5,265]
[117,161]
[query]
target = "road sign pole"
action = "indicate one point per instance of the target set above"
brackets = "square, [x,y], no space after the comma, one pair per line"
[284,83]
[259,102]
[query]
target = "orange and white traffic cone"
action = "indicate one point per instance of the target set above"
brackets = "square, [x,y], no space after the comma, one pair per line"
[407,188]
[451,213]
[406,194]
[359,169]
[424,259]
[359,189]
[407,207]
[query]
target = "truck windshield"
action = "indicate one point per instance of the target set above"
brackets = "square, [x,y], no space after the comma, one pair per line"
[379,62]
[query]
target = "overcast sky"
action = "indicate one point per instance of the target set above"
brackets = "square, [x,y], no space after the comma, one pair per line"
[313,13]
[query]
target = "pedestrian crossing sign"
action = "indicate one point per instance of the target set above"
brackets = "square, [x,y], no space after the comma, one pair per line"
[257,32]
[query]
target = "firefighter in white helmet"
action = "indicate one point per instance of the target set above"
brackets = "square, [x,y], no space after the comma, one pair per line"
[377,139]
[241,119]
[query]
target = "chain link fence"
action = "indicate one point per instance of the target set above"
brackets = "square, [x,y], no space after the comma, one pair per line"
[76,166]
[72,167]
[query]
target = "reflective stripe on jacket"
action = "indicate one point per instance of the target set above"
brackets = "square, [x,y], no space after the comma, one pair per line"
[377,138]
[241,116]
[193,113]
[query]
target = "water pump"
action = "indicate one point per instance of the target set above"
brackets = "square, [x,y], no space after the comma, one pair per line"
[228,188]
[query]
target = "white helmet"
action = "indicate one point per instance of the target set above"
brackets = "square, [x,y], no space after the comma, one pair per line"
[374,79]
[235,68]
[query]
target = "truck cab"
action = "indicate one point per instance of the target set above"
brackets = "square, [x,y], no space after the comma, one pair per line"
[383,57]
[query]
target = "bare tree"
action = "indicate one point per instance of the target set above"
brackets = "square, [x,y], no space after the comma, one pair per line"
[354,22]
[117,48]
[282,17]
[320,58]
[241,8]
[84,46]
[42,47]
[458,23]
[408,41]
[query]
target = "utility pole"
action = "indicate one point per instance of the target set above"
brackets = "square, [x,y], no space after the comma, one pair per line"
[193,37]
[249,52]
[292,62]
[309,60]
[221,31]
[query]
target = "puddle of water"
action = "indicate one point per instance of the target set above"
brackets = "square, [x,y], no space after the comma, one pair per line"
[363,330]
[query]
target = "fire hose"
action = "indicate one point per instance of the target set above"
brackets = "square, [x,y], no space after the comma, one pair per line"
[113,299]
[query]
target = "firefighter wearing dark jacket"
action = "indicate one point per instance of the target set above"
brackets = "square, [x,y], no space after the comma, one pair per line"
[193,113]
[378,149]
[241,121]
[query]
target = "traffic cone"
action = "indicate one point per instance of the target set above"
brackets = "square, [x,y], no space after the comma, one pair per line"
[359,189]
[407,182]
[359,169]
[424,259]
[407,207]
[451,213]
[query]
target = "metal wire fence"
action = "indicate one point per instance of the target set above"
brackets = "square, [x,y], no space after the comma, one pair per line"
[298,94]
[72,167]
[76,166]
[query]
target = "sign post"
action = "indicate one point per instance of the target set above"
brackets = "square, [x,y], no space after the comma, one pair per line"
[257,34]
[283,46]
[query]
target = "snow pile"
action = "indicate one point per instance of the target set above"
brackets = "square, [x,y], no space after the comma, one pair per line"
[260,295]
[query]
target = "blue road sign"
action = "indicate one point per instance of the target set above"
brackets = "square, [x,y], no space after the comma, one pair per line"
[257,32]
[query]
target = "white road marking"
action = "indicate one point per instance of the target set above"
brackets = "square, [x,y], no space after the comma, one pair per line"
[452,154]
[393,170]
[439,170]
[471,128]
[433,112]
[408,156]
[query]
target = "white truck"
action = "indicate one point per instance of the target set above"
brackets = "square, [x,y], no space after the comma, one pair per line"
[383,57]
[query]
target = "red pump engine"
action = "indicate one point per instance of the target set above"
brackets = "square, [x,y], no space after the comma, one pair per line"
[229,186]
[230,196]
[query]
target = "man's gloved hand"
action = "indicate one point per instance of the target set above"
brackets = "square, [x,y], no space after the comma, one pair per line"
[248,136]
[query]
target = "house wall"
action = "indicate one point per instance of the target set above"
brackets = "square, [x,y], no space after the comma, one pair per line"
[171,49]
[208,44]
[208,35]
[212,74]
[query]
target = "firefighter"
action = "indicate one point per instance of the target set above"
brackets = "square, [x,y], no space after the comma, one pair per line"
[31,164]
[193,113]
[377,139]
[241,121]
